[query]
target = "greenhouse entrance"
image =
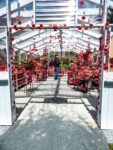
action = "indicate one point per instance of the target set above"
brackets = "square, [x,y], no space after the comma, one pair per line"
[54,78]
[31,64]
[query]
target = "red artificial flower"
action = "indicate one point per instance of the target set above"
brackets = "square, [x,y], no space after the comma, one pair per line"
[41,26]
[106,66]
[33,25]
[19,22]
[81,2]
[107,24]
[79,28]
[83,17]
[85,28]
[55,27]
[15,27]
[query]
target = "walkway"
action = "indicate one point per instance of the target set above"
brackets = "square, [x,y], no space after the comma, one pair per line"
[55,118]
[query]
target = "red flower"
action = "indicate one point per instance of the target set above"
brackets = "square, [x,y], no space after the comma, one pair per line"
[106,66]
[19,22]
[86,28]
[33,25]
[83,17]
[107,24]
[41,26]
[79,28]
[15,27]
[81,2]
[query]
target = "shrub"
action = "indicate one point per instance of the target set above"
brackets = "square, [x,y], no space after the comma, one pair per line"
[110,146]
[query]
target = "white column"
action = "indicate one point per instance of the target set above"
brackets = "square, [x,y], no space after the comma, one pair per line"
[7,107]
[105,108]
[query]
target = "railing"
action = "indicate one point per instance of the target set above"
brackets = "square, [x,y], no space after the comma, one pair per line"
[22,79]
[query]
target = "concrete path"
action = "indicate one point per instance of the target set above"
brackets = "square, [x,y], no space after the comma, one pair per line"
[56,118]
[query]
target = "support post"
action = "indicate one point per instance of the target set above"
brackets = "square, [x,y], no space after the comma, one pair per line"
[18,3]
[7,107]
[105,107]
[61,42]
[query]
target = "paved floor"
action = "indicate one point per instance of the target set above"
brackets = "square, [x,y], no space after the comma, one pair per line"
[55,118]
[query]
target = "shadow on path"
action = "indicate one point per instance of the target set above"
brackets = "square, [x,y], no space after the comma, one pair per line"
[38,130]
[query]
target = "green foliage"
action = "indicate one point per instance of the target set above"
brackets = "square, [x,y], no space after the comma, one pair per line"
[64,61]
[18,58]
[29,66]
[63,65]
[110,146]
[23,56]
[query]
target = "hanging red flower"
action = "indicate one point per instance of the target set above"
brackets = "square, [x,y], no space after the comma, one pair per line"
[81,2]
[41,26]
[33,25]
[85,28]
[105,66]
[55,27]
[83,17]
[107,24]
[15,27]
[19,22]
[79,28]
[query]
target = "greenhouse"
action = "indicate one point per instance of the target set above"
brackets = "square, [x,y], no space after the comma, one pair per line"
[56,74]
